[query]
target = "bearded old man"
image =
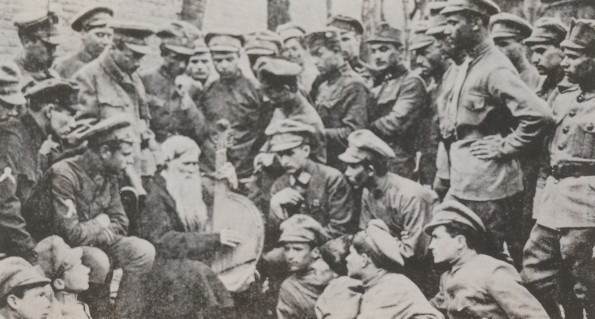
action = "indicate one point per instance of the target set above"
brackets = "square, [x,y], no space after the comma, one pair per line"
[177,221]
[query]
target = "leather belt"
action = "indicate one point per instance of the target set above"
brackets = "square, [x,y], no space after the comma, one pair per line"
[564,170]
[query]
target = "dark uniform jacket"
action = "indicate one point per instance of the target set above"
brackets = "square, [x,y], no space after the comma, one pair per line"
[342,102]
[170,113]
[484,287]
[239,101]
[28,75]
[105,90]
[493,100]
[406,207]
[327,197]
[68,198]
[400,100]
[21,141]
[69,65]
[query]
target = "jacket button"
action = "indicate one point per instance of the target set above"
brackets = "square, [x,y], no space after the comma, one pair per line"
[561,146]
[565,130]
[572,113]
[590,126]
[580,98]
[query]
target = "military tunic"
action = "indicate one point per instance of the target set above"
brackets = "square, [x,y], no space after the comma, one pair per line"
[400,100]
[327,197]
[238,100]
[484,287]
[69,65]
[28,75]
[342,103]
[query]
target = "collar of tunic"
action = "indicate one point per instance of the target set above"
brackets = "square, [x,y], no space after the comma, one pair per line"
[114,71]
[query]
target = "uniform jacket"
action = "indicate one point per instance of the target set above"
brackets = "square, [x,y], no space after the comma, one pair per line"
[69,308]
[340,299]
[484,287]
[327,197]
[569,202]
[238,100]
[69,65]
[493,101]
[406,207]
[105,89]
[530,76]
[28,75]
[400,101]
[68,198]
[171,113]
[299,292]
[394,296]
[342,102]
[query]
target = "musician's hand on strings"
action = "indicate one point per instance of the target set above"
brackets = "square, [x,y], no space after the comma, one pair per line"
[487,148]
[287,196]
[228,173]
[230,237]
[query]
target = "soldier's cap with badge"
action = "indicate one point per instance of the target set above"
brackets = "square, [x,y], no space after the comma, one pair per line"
[453,211]
[385,33]
[365,145]
[419,38]
[346,24]
[117,128]
[329,37]
[91,17]
[224,41]
[290,30]
[55,257]
[276,70]
[133,34]
[287,134]
[179,37]
[200,46]
[505,25]
[547,30]
[17,272]
[377,236]
[302,229]
[62,92]
[41,24]
[264,42]
[10,78]
[581,35]
[483,7]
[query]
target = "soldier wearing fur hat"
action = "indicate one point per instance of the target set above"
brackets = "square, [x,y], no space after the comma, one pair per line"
[24,292]
[342,99]
[400,99]
[476,285]
[172,108]
[301,235]
[375,259]
[38,32]
[491,116]
[92,25]
[78,199]
[508,32]
[560,241]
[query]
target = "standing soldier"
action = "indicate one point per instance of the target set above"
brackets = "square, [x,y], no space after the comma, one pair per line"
[342,99]
[508,32]
[91,23]
[400,99]
[172,109]
[294,48]
[564,236]
[491,116]
[236,98]
[38,33]
[351,39]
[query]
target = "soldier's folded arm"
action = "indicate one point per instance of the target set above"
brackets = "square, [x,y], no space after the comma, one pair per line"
[118,218]
[532,113]
[340,207]
[66,219]
[406,112]
[356,101]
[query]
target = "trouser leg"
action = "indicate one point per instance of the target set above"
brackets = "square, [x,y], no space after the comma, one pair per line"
[97,296]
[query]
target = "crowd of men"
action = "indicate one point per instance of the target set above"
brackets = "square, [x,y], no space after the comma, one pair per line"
[451,175]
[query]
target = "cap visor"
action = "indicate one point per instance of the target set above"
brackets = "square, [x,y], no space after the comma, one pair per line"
[141,49]
[537,40]
[16,98]
[420,45]
[54,40]
[451,9]
[180,49]
[259,52]
[430,227]
[383,40]
[505,35]
[571,45]
[346,158]
[285,146]
[223,48]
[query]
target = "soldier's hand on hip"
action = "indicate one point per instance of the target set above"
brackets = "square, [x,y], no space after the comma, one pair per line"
[488,147]
[287,196]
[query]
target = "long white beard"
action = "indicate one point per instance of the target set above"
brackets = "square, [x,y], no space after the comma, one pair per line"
[187,194]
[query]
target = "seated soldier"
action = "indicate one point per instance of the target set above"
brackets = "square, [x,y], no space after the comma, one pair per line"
[301,236]
[477,285]
[63,266]
[24,292]
[78,199]
[377,262]
[177,221]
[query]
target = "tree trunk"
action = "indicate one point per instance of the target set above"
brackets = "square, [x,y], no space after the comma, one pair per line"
[193,11]
[278,13]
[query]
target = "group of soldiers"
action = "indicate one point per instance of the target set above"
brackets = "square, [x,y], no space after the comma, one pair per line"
[448,176]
